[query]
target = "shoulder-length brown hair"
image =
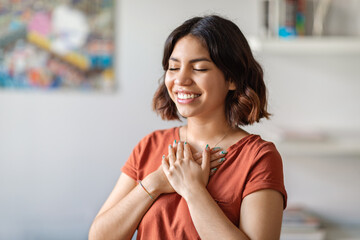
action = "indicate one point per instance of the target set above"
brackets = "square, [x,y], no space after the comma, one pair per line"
[231,53]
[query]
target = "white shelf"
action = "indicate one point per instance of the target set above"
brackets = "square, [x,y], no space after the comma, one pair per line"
[306,45]
[323,149]
[343,234]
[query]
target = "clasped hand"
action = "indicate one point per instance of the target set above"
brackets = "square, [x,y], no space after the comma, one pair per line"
[183,172]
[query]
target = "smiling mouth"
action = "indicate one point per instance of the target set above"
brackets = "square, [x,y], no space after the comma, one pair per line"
[184,96]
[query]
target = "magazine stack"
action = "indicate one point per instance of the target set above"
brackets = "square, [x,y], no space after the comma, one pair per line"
[300,224]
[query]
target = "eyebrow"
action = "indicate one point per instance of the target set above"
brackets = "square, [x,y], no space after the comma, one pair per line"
[193,60]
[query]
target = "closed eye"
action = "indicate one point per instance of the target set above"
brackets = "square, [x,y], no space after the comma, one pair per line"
[200,69]
[173,69]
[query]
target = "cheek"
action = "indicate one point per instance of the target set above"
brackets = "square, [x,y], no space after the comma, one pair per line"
[169,85]
[216,87]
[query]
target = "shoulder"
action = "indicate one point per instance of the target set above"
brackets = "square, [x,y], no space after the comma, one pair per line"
[153,141]
[264,167]
[257,148]
[159,136]
[257,144]
[162,134]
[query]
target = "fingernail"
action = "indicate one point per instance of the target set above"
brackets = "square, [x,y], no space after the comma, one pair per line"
[216,148]
[221,160]
[163,157]
[185,143]
[170,146]
[213,170]
[207,146]
[223,152]
[175,141]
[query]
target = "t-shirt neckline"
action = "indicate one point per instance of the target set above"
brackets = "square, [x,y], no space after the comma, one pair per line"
[234,146]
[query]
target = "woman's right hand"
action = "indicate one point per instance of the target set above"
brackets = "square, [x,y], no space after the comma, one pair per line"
[217,157]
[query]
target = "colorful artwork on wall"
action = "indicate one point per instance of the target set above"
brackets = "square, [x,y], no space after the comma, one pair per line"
[58,44]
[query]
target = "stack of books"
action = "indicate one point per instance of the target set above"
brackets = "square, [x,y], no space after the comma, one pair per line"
[300,224]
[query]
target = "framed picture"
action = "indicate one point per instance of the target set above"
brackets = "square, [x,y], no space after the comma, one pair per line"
[58,44]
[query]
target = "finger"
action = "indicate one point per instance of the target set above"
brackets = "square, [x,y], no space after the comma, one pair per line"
[171,155]
[197,155]
[198,161]
[212,171]
[214,160]
[166,158]
[205,165]
[187,152]
[217,162]
[165,167]
[215,149]
[215,155]
[174,143]
[180,151]
[218,155]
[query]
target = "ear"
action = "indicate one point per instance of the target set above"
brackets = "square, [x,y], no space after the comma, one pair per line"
[232,85]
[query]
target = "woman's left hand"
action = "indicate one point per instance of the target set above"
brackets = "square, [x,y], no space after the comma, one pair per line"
[183,173]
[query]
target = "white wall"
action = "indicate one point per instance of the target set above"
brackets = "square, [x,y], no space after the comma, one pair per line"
[61,153]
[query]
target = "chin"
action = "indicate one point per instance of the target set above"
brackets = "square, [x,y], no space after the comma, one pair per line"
[184,114]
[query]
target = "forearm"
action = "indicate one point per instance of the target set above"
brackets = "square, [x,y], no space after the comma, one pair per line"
[208,218]
[121,221]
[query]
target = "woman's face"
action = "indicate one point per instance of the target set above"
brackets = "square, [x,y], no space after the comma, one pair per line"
[194,82]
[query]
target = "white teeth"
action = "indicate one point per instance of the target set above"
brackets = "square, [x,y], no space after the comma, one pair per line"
[187,96]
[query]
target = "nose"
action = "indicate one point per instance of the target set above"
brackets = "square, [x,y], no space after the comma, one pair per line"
[183,78]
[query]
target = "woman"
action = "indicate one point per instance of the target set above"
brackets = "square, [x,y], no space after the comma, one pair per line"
[174,185]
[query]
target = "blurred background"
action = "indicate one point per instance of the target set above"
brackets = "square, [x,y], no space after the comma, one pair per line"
[61,151]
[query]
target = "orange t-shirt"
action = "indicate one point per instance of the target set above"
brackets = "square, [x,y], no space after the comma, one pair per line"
[251,164]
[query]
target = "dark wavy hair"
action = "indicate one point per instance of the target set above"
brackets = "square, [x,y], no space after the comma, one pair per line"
[230,52]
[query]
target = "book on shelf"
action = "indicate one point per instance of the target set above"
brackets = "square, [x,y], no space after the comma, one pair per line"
[300,224]
[296,235]
[286,18]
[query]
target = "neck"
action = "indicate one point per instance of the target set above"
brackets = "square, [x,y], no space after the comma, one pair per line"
[206,131]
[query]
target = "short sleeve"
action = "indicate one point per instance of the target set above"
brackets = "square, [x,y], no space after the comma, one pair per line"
[266,172]
[131,166]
